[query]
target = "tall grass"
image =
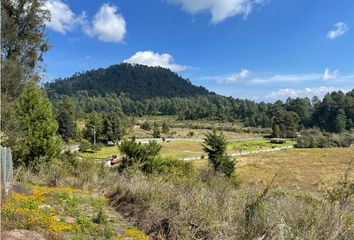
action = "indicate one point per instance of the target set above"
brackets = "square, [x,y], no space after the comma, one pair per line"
[209,207]
[201,205]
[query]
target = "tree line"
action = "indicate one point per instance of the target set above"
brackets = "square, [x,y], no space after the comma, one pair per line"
[335,113]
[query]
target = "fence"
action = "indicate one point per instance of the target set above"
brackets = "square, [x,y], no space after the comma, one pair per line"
[6,168]
[242,153]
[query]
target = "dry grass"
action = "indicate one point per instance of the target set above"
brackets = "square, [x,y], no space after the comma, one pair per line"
[181,149]
[180,132]
[182,128]
[303,169]
[208,206]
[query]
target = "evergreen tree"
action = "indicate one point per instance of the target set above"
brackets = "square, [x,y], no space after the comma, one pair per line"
[141,155]
[165,128]
[156,131]
[215,146]
[23,31]
[66,119]
[276,131]
[114,125]
[283,130]
[94,127]
[291,124]
[340,121]
[36,122]
[23,43]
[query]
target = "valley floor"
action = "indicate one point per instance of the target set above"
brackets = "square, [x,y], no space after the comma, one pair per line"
[298,169]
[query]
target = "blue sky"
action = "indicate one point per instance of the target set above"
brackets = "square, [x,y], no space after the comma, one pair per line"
[258,49]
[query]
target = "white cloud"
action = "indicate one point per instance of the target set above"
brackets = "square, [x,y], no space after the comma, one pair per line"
[108,25]
[231,78]
[63,19]
[328,75]
[150,58]
[286,78]
[284,93]
[340,28]
[246,77]
[219,9]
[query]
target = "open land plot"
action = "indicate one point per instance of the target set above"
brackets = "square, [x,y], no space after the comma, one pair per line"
[191,148]
[173,149]
[257,144]
[181,132]
[304,169]
[104,153]
[198,128]
[179,149]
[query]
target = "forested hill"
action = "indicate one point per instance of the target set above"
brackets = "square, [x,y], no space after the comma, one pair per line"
[136,81]
[140,90]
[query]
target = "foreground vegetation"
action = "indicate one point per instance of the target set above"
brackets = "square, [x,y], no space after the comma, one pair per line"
[177,202]
[207,207]
[63,213]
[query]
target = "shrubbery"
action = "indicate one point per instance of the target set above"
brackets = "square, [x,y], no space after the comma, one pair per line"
[205,206]
[146,126]
[146,158]
[314,138]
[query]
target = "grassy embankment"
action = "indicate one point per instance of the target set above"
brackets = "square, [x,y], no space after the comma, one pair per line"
[64,213]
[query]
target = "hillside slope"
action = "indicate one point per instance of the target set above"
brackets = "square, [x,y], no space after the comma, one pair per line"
[137,81]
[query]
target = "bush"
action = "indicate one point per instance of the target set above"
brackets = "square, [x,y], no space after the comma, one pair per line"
[85,146]
[316,139]
[205,206]
[146,126]
[98,147]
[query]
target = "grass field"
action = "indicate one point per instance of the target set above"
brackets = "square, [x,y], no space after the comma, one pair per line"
[181,149]
[169,149]
[104,153]
[303,169]
[184,132]
[258,144]
[183,128]
[185,148]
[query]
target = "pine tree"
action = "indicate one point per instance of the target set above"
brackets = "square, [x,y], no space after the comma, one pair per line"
[23,31]
[165,128]
[276,131]
[38,126]
[340,121]
[94,127]
[114,125]
[66,119]
[215,146]
[156,131]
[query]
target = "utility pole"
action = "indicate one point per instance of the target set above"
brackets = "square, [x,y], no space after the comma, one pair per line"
[94,135]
